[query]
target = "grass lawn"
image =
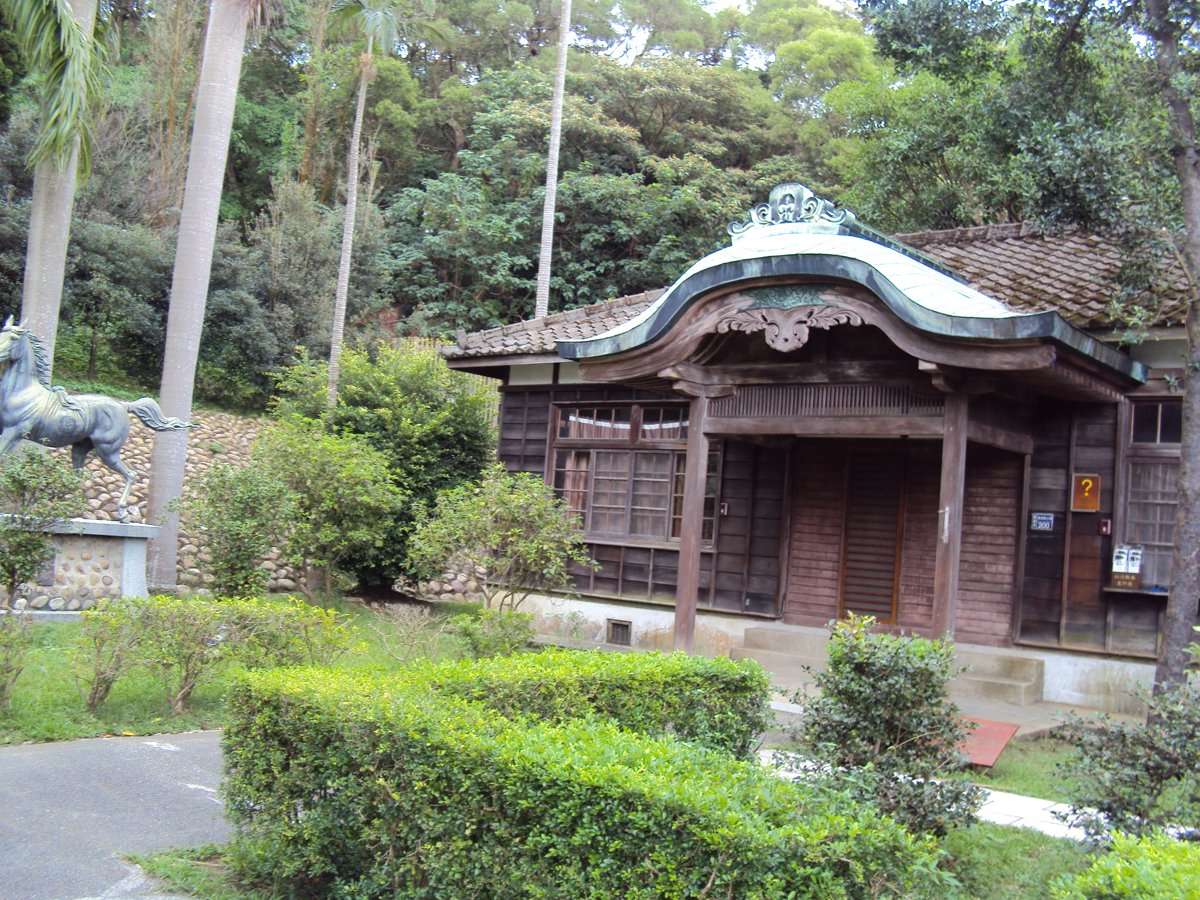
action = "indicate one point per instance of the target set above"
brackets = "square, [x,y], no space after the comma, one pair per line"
[47,704]
[1029,766]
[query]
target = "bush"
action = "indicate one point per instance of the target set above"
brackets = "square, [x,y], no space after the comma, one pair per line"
[1150,866]
[512,528]
[37,490]
[15,643]
[1137,778]
[449,799]
[493,632]
[717,703]
[346,499]
[186,640]
[434,426]
[883,712]
[242,512]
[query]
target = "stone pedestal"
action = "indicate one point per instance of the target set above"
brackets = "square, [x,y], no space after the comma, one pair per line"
[93,559]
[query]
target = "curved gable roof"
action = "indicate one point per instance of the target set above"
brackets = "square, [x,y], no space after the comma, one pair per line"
[796,235]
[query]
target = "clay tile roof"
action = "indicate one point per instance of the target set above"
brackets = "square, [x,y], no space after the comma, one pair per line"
[539,335]
[1070,273]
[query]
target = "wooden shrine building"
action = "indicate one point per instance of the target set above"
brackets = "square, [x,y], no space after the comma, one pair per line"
[818,419]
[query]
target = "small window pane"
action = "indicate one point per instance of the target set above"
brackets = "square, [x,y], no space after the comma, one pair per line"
[664,423]
[571,478]
[1171,424]
[1145,423]
[651,494]
[1153,498]
[595,423]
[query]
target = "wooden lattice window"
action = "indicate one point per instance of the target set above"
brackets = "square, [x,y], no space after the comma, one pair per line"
[621,469]
[1153,485]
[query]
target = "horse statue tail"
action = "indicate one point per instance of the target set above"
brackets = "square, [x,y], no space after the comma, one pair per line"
[152,416]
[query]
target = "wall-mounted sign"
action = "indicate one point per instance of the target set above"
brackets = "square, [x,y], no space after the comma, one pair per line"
[1039,521]
[1085,493]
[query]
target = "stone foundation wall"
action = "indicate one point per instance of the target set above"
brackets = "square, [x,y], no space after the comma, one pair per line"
[84,570]
[217,438]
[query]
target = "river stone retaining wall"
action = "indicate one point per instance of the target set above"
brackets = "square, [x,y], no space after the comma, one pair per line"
[217,438]
[92,561]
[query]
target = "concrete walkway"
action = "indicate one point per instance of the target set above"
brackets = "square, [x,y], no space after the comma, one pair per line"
[67,810]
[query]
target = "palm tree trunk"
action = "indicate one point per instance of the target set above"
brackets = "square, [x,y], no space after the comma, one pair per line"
[50,227]
[542,304]
[219,73]
[343,278]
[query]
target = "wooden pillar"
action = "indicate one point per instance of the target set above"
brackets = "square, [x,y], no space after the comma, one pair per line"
[950,506]
[692,526]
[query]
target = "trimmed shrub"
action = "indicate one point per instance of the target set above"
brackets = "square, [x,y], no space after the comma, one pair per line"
[717,703]
[1152,866]
[187,639]
[883,712]
[369,787]
[493,632]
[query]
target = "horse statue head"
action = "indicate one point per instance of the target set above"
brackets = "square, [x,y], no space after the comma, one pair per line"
[23,349]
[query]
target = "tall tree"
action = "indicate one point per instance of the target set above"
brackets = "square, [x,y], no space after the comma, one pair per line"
[56,37]
[220,71]
[1172,29]
[381,23]
[546,252]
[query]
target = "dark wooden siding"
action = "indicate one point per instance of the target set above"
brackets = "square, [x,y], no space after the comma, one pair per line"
[919,554]
[988,563]
[1090,432]
[815,556]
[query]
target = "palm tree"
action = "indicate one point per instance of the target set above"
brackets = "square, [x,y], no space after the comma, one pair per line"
[220,71]
[381,24]
[542,303]
[56,39]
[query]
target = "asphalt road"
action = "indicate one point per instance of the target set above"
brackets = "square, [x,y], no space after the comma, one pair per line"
[68,809]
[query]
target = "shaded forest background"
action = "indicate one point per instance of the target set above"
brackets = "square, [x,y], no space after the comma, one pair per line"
[917,115]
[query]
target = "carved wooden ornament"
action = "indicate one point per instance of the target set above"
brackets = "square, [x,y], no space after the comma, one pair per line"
[787,329]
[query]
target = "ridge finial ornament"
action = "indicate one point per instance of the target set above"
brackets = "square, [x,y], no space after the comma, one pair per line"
[791,203]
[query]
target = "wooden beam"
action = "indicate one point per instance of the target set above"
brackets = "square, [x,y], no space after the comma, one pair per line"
[950,505]
[1013,441]
[692,527]
[820,426]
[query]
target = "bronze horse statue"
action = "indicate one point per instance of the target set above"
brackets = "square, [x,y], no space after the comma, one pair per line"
[31,409]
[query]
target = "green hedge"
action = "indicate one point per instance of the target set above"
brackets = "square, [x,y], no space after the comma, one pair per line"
[366,786]
[1156,865]
[717,703]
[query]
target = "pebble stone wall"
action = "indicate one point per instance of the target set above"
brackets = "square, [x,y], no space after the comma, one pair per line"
[217,438]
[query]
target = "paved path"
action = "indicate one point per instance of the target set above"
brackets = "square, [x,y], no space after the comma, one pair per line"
[67,809]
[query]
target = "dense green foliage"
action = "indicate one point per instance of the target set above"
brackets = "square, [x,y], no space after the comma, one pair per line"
[883,715]
[241,513]
[186,640]
[1136,778]
[1156,865]
[510,531]
[431,427]
[677,117]
[452,799]
[15,644]
[38,489]
[344,495]
[493,632]
[717,703]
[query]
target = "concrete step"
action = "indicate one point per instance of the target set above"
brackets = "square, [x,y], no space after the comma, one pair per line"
[984,661]
[811,642]
[786,669]
[996,688]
